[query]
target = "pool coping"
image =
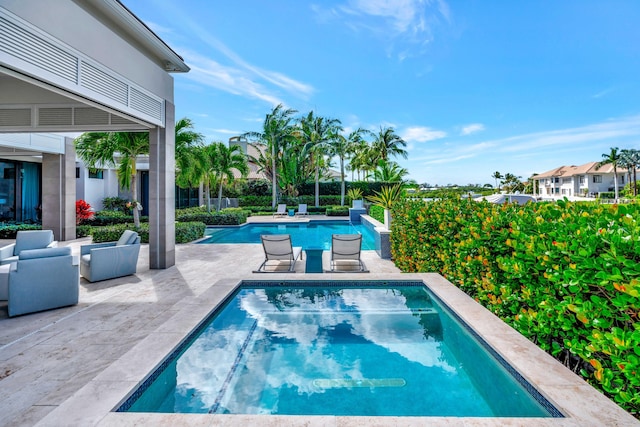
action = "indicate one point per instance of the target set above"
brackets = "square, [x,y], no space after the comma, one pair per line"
[94,403]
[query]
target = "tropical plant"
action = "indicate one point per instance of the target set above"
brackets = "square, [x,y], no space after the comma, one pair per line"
[387,143]
[315,133]
[512,183]
[630,160]
[387,196]
[497,176]
[354,193]
[83,211]
[115,149]
[186,140]
[277,130]
[225,161]
[611,158]
[341,146]
[389,172]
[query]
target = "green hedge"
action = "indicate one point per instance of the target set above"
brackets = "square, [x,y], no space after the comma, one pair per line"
[377,212]
[10,231]
[108,217]
[565,275]
[185,232]
[338,211]
[230,216]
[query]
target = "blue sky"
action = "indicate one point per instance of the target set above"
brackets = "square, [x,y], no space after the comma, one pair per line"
[473,86]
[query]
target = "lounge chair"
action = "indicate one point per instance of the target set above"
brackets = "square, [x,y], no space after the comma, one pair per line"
[302,209]
[345,251]
[101,261]
[282,210]
[277,247]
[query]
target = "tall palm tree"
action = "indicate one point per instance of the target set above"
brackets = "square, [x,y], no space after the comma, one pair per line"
[387,143]
[612,158]
[389,172]
[497,175]
[342,147]
[277,130]
[186,139]
[316,133]
[116,149]
[224,161]
[631,161]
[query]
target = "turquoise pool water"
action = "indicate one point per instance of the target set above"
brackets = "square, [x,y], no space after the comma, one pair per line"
[312,234]
[336,349]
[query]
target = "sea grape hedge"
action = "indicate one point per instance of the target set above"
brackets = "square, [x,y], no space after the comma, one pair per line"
[565,275]
[185,232]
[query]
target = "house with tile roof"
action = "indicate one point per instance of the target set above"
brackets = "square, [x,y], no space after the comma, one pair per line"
[583,181]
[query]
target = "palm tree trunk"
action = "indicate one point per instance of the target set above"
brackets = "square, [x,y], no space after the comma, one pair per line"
[273,178]
[208,189]
[317,177]
[342,179]
[134,195]
[615,185]
[220,196]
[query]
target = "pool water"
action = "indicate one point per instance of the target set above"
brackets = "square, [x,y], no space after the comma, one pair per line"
[312,234]
[336,350]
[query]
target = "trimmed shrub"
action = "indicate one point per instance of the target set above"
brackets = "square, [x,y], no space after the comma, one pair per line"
[377,212]
[185,232]
[116,204]
[83,231]
[10,231]
[230,216]
[338,211]
[565,275]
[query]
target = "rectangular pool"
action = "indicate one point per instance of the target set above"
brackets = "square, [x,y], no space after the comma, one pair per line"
[312,234]
[336,348]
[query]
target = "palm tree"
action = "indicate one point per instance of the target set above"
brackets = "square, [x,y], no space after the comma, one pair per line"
[276,131]
[316,133]
[186,139]
[387,143]
[389,172]
[631,161]
[341,146]
[99,149]
[224,161]
[497,175]
[612,158]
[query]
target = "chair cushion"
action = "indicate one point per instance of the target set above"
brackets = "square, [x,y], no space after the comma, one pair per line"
[45,253]
[127,238]
[32,239]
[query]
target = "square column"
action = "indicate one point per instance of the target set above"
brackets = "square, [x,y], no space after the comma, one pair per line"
[162,213]
[59,192]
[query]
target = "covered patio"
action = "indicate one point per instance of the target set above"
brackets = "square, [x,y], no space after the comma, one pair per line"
[76,66]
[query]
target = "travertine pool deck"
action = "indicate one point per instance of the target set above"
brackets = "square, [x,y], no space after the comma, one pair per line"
[73,366]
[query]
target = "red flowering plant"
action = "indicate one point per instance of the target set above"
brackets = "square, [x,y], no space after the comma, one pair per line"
[83,211]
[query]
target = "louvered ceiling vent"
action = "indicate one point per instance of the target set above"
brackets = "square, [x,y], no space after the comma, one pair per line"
[15,117]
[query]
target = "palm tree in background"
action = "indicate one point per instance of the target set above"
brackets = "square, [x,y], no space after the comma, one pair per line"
[612,158]
[497,175]
[277,131]
[119,150]
[387,143]
[342,147]
[186,139]
[316,133]
[630,159]
[224,161]
[389,172]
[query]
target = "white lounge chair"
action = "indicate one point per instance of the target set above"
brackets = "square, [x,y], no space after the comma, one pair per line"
[282,210]
[345,252]
[277,247]
[302,209]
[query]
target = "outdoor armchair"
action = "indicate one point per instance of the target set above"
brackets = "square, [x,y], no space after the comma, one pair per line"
[41,279]
[277,247]
[101,261]
[346,250]
[25,240]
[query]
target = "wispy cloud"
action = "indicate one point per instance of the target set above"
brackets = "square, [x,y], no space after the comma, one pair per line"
[408,21]
[421,134]
[603,92]
[472,128]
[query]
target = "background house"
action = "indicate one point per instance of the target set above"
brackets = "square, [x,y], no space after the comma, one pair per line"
[578,181]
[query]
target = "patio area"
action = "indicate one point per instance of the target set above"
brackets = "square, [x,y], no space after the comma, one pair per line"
[72,366]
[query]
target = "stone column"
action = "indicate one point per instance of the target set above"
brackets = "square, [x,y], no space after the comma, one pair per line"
[59,192]
[162,237]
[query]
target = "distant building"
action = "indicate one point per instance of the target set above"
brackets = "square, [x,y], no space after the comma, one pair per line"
[582,181]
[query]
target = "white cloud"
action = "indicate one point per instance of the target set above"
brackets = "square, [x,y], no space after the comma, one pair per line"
[421,134]
[472,128]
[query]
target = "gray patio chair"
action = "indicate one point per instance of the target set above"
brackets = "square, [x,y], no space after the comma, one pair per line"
[101,261]
[25,240]
[282,210]
[277,247]
[302,209]
[41,279]
[345,250]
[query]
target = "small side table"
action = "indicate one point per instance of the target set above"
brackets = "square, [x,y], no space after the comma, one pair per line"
[314,260]
[292,212]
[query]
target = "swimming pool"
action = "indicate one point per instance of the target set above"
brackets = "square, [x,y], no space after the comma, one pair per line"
[360,348]
[312,234]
